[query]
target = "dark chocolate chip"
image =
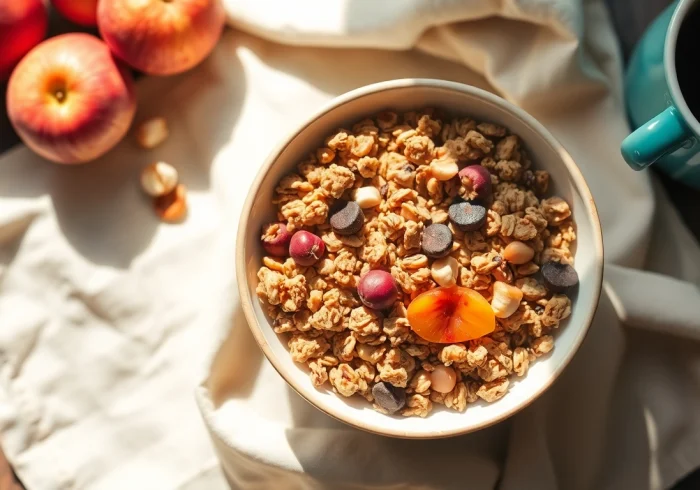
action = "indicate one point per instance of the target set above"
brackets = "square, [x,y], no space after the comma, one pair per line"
[467,216]
[559,277]
[436,240]
[389,397]
[347,218]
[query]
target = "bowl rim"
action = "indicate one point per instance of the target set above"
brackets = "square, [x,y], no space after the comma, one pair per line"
[487,97]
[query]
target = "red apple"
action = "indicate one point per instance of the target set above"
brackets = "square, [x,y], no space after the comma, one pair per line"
[83,12]
[161,37]
[22,26]
[70,100]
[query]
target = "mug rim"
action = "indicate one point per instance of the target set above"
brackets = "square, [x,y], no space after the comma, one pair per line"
[677,19]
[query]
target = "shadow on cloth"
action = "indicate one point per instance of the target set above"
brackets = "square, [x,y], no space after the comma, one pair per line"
[226,378]
[319,440]
[99,207]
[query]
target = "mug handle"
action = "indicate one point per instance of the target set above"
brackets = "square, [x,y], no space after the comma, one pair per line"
[661,135]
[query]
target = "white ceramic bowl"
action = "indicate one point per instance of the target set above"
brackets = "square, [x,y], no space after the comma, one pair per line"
[546,153]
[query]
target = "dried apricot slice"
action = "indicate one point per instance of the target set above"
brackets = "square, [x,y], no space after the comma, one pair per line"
[453,314]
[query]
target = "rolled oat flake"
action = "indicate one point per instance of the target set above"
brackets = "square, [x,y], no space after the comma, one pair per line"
[347,218]
[389,397]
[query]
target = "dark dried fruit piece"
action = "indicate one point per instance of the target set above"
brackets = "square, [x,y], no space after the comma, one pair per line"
[377,290]
[389,397]
[436,241]
[306,248]
[476,181]
[275,239]
[558,277]
[467,216]
[347,218]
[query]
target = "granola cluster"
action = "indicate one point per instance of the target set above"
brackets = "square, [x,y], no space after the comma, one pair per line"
[350,347]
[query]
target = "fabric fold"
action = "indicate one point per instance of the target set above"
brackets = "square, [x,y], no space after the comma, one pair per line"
[111,319]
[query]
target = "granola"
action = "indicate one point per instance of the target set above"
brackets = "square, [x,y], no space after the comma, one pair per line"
[410,161]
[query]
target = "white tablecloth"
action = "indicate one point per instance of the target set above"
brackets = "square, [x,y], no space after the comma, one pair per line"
[109,319]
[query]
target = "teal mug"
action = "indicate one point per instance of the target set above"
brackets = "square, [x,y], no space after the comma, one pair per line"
[667,131]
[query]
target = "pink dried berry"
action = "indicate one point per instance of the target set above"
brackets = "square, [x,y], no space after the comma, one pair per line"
[306,248]
[275,239]
[377,290]
[477,182]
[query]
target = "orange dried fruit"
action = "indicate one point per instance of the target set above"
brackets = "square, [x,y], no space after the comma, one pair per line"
[453,314]
[172,207]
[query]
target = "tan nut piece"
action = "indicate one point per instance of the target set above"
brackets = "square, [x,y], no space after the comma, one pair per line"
[152,132]
[367,197]
[518,253]
[444,168]
[506,299]
[159,179]
[444,271]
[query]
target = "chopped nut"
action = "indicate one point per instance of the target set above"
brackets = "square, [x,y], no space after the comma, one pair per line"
[152,133]
[158,179]
[518,253]
[506,299]
[444,168]
[445,271]
[172,207]
[367,197]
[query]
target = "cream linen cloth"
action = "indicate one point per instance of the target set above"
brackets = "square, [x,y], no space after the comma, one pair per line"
[109,320]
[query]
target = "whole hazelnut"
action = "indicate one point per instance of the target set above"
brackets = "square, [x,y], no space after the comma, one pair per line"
[159,179]
[152,132]
[172,207]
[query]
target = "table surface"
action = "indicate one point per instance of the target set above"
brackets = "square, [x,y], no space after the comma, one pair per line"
[630,18]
